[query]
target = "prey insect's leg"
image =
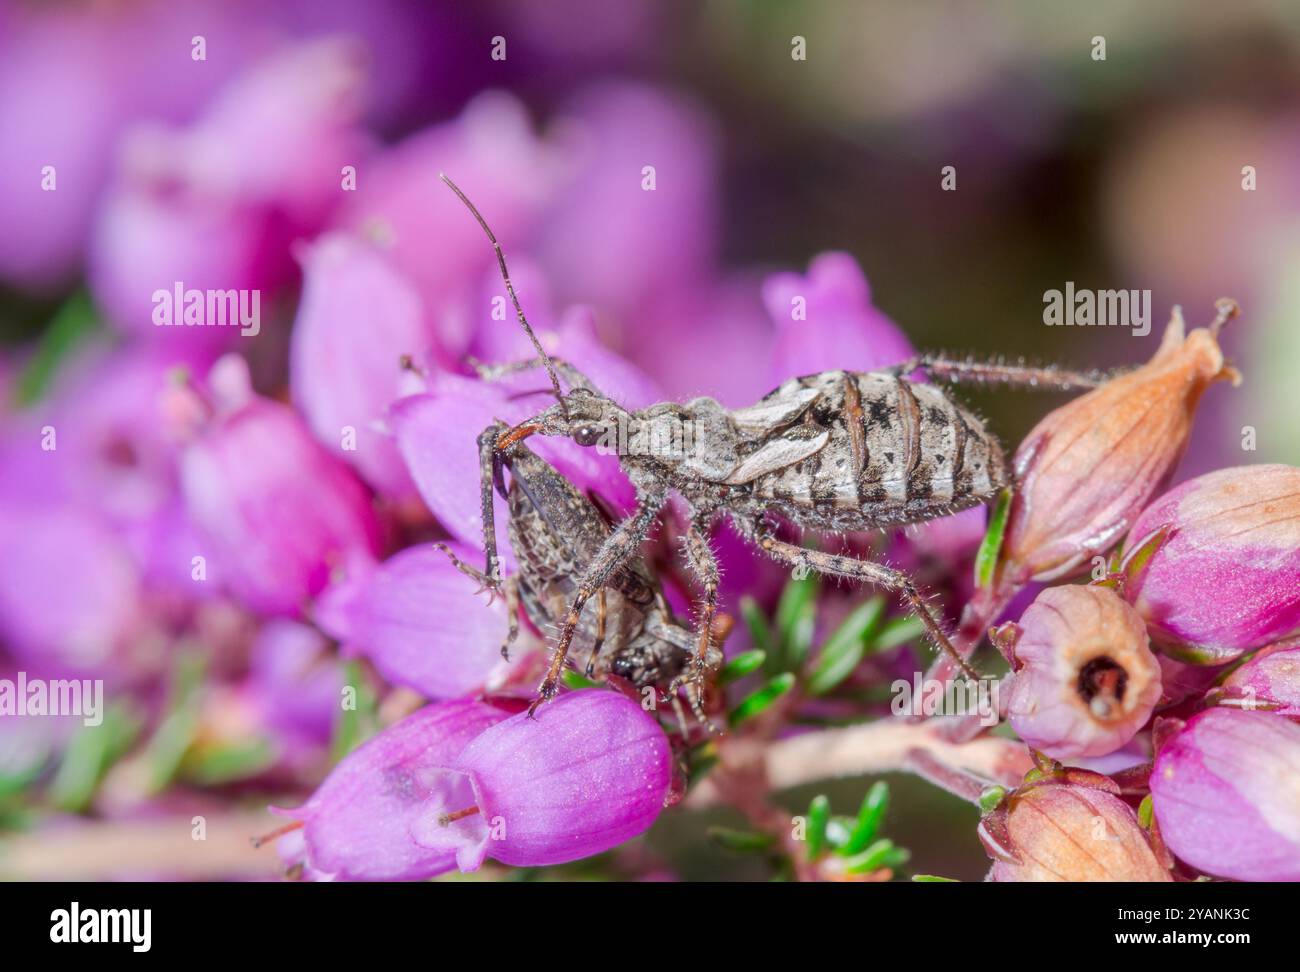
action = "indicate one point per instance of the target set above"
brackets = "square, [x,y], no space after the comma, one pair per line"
[866,570]
[510,589]
[574,377]
[1000,373]
[618,548]
[487,471]
[600,633]
[704,564]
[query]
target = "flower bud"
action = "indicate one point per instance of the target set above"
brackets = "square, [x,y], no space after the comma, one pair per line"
[1088,681]
[1269,681]
[1056,831]
[1226,793]
[357,824]
[1086,470]
[589,772]
[1226,577]
[276,511]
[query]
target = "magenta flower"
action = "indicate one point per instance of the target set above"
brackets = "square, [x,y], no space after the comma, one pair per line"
[493,154]
[1270,680]
[276,510]
[296,684]
[1087,680]
[357,318]
[591,771]
[70,597]
[420,621]
[214,207]
[825,321]
[1227,577]
[357,825]
[637,213]
[1225,791]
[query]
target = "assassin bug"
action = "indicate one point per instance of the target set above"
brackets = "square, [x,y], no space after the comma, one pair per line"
[836,451]
[554,530]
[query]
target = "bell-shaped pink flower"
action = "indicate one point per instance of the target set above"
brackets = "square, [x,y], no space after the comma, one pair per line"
[1087,680]
[420,621]
[215,205]
[276,511]
[1269,681]
[591,771]
[825,320]
[357,318]
[357,825]
[1226,792]
[1226,577]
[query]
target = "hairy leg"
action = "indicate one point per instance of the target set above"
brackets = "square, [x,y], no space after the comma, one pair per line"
[509,589]
[838,565]
[704,564]
[619,547]
[1047,377]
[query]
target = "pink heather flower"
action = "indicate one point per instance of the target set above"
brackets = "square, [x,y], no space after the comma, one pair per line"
[296,683]
[96,68]
[1226,791]
[591,771]
[1055,831]
[420,621]
[825,321]
[215,206]
[276,510]
[491,152]
[70,598]
[357,318]
[357,825]
[1087,680]
[1227,577]
[614,238]
[437,433]
[738,332]
[1271,679]
[1086,471]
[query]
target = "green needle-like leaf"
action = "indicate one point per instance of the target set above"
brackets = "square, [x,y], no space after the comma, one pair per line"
[819,812]
[795,620]
[72,324]
[899,631]
[743,664]
[878,855]
[870,815]
[932,879]
[845,648]
[762,698]
[740,841]
[92,751]
[986,560]
[756,621]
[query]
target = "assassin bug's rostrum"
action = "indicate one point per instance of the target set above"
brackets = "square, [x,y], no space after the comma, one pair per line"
[836,451]
[554,529]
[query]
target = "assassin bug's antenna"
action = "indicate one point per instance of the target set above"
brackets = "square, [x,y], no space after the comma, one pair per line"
[510,289]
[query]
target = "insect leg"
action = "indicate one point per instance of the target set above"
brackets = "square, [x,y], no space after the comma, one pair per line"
[600,633]
[865,570]
[704,564]
[571,375]
[619,547]
[487,470]
[510,590]
[1047,377]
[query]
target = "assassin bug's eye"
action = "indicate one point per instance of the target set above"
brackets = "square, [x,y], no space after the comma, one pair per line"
[586,435]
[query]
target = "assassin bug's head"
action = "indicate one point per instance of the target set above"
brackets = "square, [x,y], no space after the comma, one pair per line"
[583,415]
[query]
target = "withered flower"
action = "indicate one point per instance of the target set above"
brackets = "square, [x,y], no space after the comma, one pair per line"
[1088,469]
